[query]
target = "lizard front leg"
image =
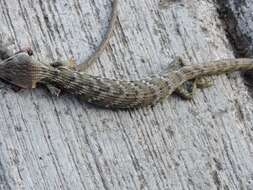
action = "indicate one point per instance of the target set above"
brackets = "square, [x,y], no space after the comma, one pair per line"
[69,64]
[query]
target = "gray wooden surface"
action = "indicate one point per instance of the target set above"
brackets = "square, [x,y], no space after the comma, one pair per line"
[61,143]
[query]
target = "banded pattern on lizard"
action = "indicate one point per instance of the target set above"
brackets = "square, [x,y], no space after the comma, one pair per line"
[21,70]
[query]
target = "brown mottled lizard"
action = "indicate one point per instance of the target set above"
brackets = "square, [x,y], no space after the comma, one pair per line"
[23,71]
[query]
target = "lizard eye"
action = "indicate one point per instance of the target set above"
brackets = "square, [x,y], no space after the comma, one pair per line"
[29,51]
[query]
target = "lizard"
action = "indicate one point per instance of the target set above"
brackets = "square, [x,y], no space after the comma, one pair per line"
[186,91]
[24,72]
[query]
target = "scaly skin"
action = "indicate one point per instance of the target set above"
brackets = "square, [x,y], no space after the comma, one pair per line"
[21,70]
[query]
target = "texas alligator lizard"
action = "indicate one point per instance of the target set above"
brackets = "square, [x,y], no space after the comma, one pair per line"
[23,71]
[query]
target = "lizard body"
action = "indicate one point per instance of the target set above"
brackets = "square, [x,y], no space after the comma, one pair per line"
[23,71]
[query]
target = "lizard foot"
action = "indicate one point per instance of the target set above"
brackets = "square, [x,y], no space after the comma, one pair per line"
[188,88]
[53,90]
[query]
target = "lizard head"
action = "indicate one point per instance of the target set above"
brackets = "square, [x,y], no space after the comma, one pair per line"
[19,70]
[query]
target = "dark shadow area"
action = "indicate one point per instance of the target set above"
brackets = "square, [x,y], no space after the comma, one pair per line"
[232,15]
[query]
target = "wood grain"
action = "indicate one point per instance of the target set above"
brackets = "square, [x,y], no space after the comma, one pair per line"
[60,143]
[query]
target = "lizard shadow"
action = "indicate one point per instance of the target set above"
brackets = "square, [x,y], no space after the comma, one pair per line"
[248,78]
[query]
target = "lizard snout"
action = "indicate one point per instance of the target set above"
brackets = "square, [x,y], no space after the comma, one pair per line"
[18,70]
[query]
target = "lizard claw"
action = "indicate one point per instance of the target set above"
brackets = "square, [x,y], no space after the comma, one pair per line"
[53,90]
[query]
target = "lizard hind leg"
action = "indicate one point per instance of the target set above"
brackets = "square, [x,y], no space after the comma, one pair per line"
[188,88]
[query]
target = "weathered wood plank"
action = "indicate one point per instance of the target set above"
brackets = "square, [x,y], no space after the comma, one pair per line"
[61,143]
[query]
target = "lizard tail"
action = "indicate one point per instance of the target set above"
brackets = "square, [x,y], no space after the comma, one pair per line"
[215,68]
